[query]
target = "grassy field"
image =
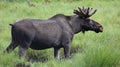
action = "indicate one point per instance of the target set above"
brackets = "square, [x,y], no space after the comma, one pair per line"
[87,50]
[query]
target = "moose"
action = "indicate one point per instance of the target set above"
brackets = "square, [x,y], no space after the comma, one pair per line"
[56,32]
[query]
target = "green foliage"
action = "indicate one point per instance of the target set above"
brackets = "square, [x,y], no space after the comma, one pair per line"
[87,50]
[103,56]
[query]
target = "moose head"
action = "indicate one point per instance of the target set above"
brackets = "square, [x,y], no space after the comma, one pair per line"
[85,23]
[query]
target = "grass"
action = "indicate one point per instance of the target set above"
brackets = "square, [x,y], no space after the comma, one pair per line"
[88,50]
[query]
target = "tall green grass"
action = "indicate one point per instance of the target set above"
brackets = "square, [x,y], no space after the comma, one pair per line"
[87,50]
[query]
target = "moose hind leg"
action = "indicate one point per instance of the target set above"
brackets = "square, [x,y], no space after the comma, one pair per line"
[23,48]
[22,51]
[11,47]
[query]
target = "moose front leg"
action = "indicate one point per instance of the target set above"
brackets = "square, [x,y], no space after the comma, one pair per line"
[56,53]
[66,45]
[67,51]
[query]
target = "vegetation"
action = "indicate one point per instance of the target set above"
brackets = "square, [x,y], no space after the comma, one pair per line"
[87,50]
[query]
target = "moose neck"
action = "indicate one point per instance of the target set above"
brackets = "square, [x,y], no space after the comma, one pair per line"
[76,25]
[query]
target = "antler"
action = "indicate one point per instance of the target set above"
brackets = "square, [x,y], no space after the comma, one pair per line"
[85,12]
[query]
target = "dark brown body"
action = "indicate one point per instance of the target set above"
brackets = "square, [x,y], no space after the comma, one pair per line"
[56,32]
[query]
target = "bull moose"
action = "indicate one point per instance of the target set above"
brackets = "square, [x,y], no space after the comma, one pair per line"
[56,32]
